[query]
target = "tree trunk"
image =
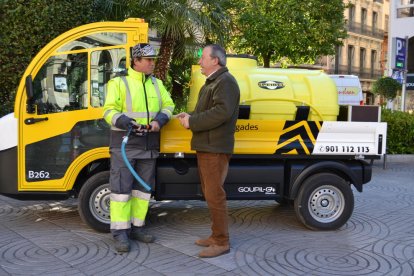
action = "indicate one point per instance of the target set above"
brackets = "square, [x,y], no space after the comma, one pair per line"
[266,60]
[164,57]
[177,92]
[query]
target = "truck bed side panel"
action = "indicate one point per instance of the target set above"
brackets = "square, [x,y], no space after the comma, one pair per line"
[246,179]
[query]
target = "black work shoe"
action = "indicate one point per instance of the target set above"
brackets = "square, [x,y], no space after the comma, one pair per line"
[122,243]
[137,233]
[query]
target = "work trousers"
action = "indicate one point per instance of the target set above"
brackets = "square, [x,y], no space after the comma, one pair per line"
[213,168]
[129,201]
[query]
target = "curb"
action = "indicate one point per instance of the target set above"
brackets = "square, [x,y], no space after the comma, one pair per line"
[399,158]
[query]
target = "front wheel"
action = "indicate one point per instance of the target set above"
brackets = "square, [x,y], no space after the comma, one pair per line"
[93,203]
[325,202]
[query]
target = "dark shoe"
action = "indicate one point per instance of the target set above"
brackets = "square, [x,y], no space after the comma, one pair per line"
[214,251]
[137,233]
[204,242]
[122,243]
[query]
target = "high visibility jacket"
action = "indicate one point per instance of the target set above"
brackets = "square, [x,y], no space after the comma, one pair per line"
[146,101]
[143,92]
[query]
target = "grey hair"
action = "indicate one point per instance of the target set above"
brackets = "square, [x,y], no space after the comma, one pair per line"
[218,52]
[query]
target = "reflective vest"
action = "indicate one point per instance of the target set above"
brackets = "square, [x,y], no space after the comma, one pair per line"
[138,97]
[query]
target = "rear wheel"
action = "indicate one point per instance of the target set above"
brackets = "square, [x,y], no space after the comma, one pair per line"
[94,199]
[325,202]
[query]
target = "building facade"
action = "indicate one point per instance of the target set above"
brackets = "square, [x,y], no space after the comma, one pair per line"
[363,52]
[402,28]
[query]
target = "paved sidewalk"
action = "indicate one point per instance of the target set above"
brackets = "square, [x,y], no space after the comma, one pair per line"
[48,237]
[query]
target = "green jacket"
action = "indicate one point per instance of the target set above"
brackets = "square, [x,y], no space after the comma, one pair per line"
[213,121]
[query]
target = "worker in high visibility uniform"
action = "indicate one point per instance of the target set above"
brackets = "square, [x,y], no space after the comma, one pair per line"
[136,99]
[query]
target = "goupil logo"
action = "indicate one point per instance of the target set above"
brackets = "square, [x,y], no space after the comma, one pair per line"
[271,85]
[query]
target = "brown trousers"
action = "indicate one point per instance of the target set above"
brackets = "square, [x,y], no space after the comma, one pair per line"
[213,168]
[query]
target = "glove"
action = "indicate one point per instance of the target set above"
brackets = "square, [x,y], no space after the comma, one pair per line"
[124,122]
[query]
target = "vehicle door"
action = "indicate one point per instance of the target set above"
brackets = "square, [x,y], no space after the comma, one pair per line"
[60,120]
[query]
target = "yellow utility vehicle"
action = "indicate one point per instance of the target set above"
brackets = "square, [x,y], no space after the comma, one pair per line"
[289,145]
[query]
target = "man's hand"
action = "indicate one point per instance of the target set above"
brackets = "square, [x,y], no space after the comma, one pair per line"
[155,126]
[184,119]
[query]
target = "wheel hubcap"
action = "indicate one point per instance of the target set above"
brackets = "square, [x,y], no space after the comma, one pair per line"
[99,203]
[326,204]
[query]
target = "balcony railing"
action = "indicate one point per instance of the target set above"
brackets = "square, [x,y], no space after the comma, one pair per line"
[358,28]
[364,73]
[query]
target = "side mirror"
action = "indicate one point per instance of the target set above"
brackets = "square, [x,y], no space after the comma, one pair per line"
[30,106]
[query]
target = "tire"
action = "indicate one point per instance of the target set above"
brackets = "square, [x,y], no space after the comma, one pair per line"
[325,202]
[93,202]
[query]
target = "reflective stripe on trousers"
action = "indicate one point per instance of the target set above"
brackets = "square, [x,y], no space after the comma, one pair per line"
[127,209]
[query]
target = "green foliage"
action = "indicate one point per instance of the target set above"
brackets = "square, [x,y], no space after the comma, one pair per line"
[179,79]
[387,87]
[180,23]
[30,25]
[176,19]
[27,26]
[400,131]
[112,10]
[289,31]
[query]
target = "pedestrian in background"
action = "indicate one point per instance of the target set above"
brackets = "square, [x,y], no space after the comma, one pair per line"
[213,125]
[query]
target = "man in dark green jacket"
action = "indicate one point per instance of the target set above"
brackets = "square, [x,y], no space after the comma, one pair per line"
[213,124]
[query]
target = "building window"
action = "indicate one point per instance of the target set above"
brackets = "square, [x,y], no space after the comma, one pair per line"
[374,21]
[339,54]
[373,63]
[406,11]
[351,15]
[363,19]
[362,53]
[350,58]
[387,19]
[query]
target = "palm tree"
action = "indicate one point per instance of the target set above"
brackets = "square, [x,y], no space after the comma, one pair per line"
[108,10]
[184,26]
[192,21]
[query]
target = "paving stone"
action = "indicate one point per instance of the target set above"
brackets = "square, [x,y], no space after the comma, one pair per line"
[48,237]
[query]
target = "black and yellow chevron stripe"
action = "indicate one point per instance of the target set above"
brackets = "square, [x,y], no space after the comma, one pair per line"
[298,137]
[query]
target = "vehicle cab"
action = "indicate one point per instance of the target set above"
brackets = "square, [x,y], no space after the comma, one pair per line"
[58,109]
